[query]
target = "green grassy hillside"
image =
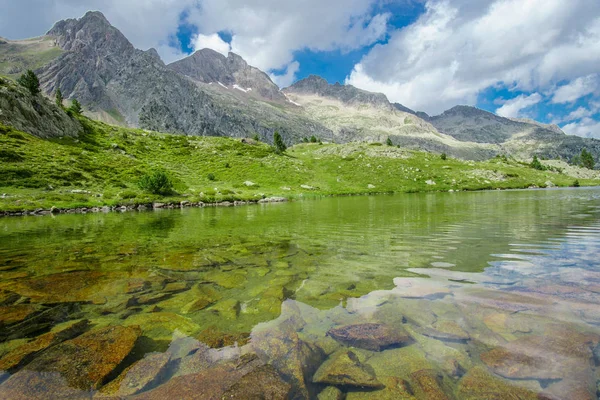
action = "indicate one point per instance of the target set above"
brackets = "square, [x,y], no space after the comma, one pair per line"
[105,164]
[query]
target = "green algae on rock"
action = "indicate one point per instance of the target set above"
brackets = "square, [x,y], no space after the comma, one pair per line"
[86,361]
[345,369]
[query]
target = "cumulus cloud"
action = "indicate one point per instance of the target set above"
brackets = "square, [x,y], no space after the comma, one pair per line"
[512,108]
[576,89]
[267,33]
[587,127]
[213,42]
[458,48]
[288,77]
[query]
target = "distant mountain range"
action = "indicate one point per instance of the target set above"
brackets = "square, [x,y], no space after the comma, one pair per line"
[210,94]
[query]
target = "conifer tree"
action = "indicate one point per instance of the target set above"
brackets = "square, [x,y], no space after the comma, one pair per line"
[280,147]
[30,81]
[59,98]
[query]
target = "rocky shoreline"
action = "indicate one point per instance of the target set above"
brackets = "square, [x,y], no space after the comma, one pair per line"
[139,207]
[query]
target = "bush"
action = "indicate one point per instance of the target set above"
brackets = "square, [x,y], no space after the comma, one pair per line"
[128,194]
[313,139]
[536,164]
[256,137]
[59,98]
[389,142]
[576,183]
[444,156]
[227,165]
[211,177]
[157,182]
[30,81]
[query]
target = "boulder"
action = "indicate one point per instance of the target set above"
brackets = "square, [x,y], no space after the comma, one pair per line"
[343,368]
[374,337]
[479,384]
[144,375]
[84,362]
[25,353]
[427,385]
[262,383]
[331,393]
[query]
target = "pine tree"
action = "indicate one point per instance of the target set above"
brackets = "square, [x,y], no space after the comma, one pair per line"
[389,142]
[587,160]
[536,164]
[76,107]
[59,98]
[30,81]
[280,147]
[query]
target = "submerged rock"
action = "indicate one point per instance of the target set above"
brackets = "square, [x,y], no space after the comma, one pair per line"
[262,383]
[25,353]
[34,385]
[295,359]
[345,369]
[446,330]
[374,337]
[211,383]
[216,339]
[427,385]
[479,384]
[144,375]
[84,362]
[331,393]
[395,389]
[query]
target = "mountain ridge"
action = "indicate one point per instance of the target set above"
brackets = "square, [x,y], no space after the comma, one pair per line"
[208,93]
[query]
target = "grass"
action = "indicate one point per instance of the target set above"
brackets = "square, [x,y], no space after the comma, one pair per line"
[104,167]
[17,57]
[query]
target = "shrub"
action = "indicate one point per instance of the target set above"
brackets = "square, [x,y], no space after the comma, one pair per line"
[576,183]
[313,139]
[280,147]
[128,194]
[444,156]
[10,156]
[389,142]
[156,182]
[211,177]
[536,164]
[30,81]
[227,165]
[256,137]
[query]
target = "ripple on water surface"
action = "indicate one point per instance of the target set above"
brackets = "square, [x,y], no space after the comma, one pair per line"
[464,296]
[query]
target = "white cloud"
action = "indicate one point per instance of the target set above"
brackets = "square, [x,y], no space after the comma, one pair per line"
[213,42]
[512,108]
[587,127]
[576,89]
[458,48]
[288,77]
[266,33]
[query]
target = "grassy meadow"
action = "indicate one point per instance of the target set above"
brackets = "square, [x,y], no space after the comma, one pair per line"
[105,164]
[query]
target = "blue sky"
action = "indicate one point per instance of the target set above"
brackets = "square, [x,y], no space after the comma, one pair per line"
[535,59]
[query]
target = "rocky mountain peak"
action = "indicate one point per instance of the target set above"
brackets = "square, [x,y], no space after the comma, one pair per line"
[93,29]
[209,66]
[347,94]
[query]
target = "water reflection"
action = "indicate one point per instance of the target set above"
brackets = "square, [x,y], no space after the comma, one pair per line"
[486,295]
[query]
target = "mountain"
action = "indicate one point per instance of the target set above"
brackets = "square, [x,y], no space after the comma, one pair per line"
[354,114]
[120,84]
[209,66]
[208,93]
[519,137]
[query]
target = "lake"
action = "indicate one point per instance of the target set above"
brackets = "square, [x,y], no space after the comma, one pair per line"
[418,296]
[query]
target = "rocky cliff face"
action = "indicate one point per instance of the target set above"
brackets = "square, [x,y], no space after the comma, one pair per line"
[209,66]
[34,114]
[109,76]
